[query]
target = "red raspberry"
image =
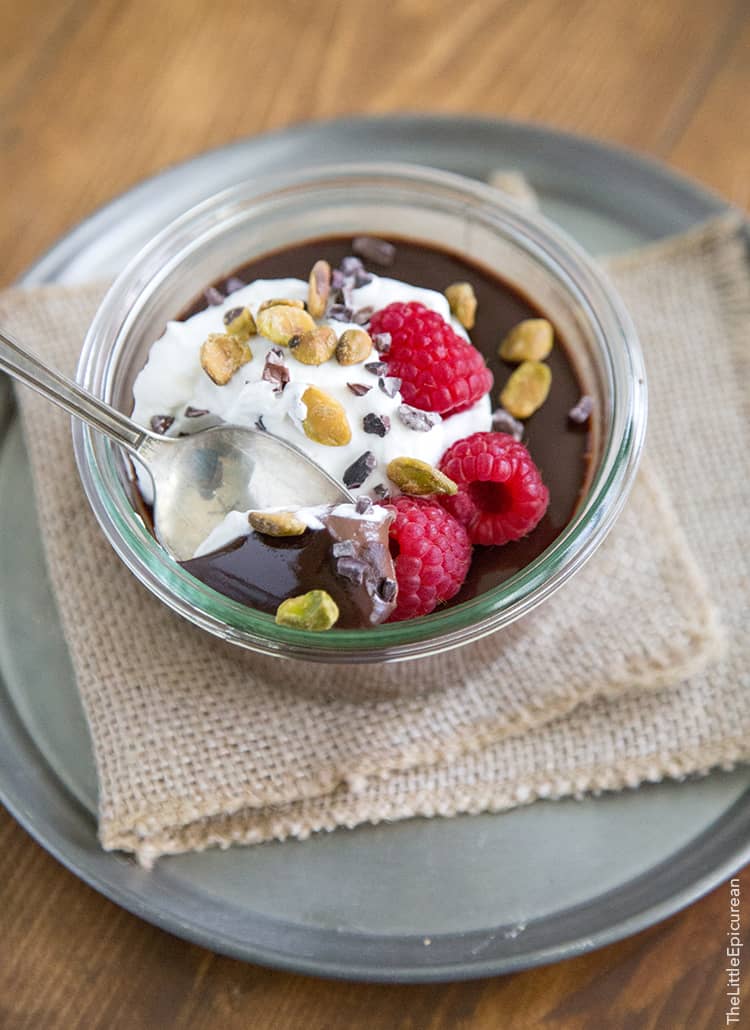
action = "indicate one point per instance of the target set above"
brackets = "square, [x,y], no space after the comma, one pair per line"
[438,369]
[432,555]
[501,495]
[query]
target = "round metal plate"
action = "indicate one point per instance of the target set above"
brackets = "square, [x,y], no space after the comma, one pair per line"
[418,900]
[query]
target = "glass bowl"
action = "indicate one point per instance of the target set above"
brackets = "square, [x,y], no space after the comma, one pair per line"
[456,214]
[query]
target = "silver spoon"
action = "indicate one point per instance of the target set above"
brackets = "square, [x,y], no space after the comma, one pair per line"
[197,479]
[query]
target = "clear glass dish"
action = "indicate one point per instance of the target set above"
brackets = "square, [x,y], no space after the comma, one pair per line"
[446,210]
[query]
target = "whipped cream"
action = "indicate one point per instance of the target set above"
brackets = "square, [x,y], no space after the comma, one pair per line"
[173,381]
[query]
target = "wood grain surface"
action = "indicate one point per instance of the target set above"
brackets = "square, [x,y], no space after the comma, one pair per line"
[96,95]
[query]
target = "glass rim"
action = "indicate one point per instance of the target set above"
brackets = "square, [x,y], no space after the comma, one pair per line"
[468,621]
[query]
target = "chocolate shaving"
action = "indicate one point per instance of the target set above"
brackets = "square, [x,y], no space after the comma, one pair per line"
[359,470]
[359,389]
[161,423]
[191,412]
[503,422]
[275,370]
[378,368]
[363,505]
[390,385]
[363,316]
[233,284]
[379,252]
[213,296]
[419,421]
[378,425]
[582,410]
[382,342]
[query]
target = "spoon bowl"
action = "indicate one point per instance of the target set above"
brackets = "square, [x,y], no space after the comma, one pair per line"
[197,479]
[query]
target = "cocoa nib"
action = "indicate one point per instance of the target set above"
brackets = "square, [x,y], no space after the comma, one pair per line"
[378,368]
[191,412]
[363,505]
[419,421]
[213,296]
[275,370]
[353,569]
[378,252]
[350,265]
[503,422]
[233,284]
[582,410]
[359,470]
[381,492]
[387,589]
[381,342]
[363,316]
[340,313]
[390,385]
[161,423]
[379,425]
[359,389]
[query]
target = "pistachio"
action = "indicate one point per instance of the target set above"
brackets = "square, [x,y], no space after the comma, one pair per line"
[413,476]
[530,340]
[354,346]
[319,288]
[281,322]
[316,610]
[315,346]
[240,323]
[326,420]
[276,523]
[463,302]
[285,302]
[527,389]
[222,355]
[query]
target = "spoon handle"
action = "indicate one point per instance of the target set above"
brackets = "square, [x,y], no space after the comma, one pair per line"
[28,369]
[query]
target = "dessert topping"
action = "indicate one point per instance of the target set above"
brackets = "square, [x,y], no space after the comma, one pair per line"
[376,424]
[378,368]
[416,477]
[359,389]
[530,340]
[319,288]
[191,412]
[440,370]
[527,389]
[581,412]
[282,322]
[275,370]
[276,523]
[503,422]
[340,313]
[316,610]
[354,346]
[315,346]
[161,423]
[501,495]
[362,316]
[240,323]
[463,303]
[374,250]
[284,302]
[419,421]
[390,385]
[222,355]
[381,342]
[359,470]
[362,505]
[326,420]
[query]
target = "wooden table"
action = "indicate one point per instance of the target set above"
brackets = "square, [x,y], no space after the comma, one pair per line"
[96,95]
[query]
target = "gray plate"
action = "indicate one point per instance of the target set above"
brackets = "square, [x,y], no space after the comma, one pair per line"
[418,900]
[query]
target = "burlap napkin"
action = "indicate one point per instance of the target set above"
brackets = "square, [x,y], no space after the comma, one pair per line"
[198,744]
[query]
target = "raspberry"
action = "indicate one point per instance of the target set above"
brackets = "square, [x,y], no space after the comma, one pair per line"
[501,495]
[432,555]
[438,369]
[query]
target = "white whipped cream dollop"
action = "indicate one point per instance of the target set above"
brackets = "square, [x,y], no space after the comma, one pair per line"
[173,381]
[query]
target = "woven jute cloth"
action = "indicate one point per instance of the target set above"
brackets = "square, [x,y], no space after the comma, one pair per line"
[636,670]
